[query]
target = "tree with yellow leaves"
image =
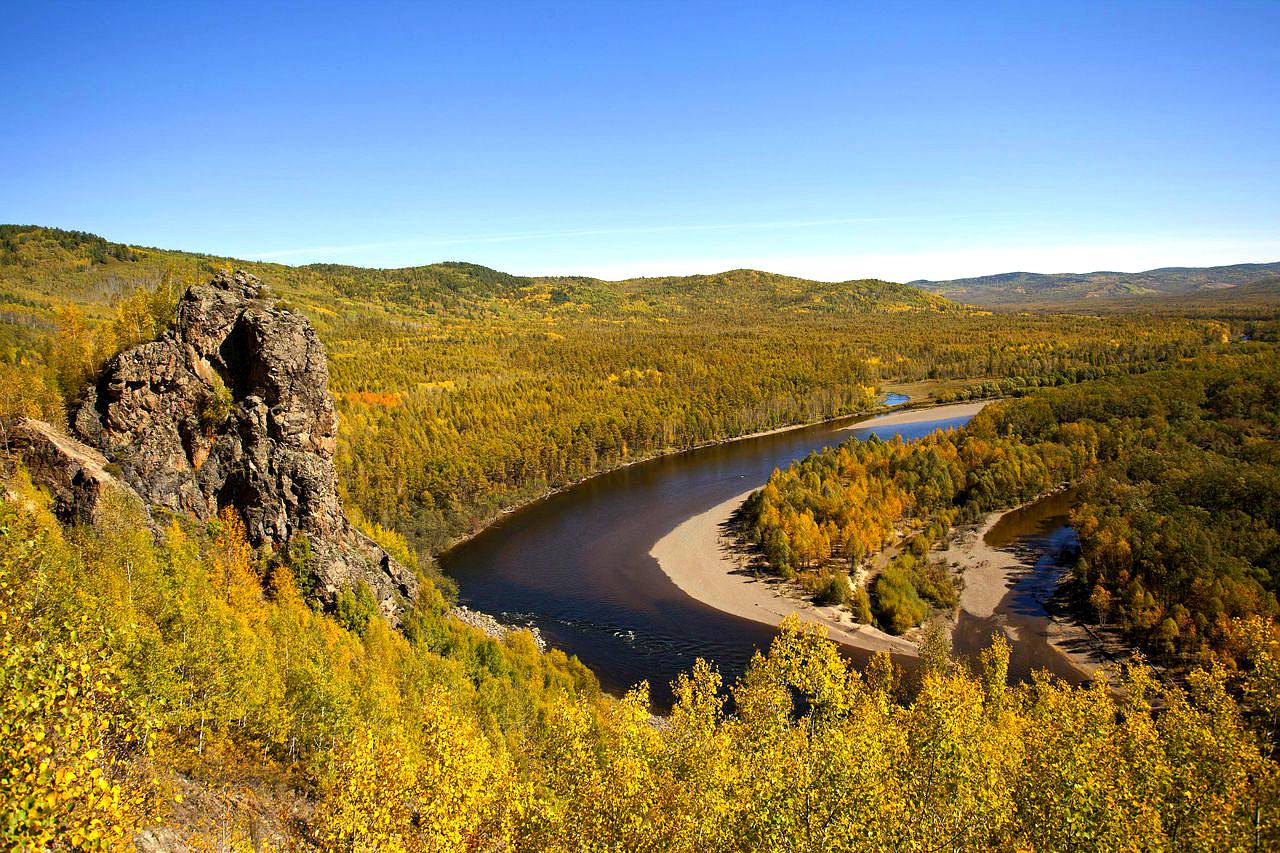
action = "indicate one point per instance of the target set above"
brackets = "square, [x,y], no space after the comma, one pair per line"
[67,735]
[438,787]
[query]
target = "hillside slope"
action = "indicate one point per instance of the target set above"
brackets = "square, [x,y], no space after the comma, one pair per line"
[1030,289]
[40,266]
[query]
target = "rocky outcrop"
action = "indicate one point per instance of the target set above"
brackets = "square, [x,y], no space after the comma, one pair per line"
[495,629]
[76,475]
[231,407]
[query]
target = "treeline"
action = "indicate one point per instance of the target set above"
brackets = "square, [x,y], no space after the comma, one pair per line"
[1179,484]
[180,680]
[81,244]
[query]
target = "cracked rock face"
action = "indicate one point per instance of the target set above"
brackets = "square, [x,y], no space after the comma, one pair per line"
[231,407]
[75,474]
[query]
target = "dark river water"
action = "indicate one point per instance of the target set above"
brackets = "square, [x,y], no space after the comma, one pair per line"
[577,564]
[1047,545]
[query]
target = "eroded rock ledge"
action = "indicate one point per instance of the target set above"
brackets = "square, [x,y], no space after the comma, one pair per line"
[231,407]
[76,475]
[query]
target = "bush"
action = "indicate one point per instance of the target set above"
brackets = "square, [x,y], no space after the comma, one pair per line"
[299,558]
[355,607]
[861,606]
[934,583]
[216,406]
[837,591]
[898,605]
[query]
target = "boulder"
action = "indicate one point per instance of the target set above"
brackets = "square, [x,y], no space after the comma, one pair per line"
[76,475]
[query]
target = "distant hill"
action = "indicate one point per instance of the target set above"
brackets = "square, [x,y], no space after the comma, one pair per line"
[42,267]
[1032,289]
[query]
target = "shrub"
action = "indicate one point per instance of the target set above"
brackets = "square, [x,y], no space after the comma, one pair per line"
[861,606]
[355,607]
[216,406]
[837,591]
[898,605]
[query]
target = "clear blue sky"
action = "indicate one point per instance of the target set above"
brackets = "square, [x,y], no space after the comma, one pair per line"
[834,140]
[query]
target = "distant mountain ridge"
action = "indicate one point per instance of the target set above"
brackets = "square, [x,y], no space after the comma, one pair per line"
[40,267]
[1048,288]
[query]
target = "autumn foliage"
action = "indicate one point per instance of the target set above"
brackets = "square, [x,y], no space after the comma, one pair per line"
[192,655]
[1176,476]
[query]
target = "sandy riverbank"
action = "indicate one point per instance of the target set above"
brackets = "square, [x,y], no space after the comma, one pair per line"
[915,416]
[990,573]
[699,558]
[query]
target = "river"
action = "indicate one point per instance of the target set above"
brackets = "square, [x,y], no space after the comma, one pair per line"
[577,564]
[1046,545]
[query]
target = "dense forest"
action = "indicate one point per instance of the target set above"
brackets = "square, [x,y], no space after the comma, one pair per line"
[1178,480]
[463,390]
[183,681]
[180,679]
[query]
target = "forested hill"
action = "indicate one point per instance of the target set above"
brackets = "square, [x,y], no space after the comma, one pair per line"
[42,266]
[436,284]
[462,391]
[1029,289]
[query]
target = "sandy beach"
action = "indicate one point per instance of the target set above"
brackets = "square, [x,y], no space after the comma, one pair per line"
[988,572]
[699,558]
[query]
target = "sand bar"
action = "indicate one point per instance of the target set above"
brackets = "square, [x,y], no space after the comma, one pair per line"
[990,573]
[699,558]
[916,416]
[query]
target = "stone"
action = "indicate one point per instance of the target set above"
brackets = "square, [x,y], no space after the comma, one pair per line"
[76,476]
[231,407]
[490,626]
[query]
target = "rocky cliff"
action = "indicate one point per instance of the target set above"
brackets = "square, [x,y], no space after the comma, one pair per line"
[231,407]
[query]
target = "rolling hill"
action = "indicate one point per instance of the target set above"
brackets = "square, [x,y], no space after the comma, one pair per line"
[40,267]
[1025,289]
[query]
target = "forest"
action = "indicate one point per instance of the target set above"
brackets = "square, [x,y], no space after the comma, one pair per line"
[183,680]
[1178,507]
[463,391]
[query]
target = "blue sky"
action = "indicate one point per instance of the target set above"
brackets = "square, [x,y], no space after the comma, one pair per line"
[835,140]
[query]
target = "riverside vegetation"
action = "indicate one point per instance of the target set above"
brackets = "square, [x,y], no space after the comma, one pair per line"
[181,680]
[1178,478]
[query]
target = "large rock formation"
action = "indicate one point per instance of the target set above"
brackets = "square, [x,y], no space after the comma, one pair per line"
[231,407]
